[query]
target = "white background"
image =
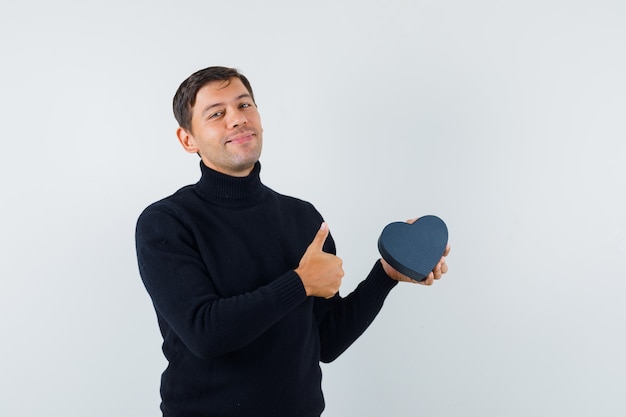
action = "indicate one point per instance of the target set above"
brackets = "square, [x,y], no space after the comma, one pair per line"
[506,119]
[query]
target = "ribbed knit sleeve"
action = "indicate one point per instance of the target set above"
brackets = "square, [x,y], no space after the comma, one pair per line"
[176,279]
[342,320]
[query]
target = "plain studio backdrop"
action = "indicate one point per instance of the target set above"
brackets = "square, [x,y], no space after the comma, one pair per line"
[506,119]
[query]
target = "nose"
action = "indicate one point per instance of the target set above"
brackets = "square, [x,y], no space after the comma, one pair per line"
[237,119]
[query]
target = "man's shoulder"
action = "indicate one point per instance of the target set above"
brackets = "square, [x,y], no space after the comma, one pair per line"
[175,202]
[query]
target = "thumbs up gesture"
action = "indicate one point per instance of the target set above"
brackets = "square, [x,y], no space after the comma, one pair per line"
[320,272]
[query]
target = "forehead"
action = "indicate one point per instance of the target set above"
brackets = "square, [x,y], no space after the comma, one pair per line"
[220,91]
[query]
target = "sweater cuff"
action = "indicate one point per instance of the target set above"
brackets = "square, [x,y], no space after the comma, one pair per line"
[378,282]
[289,290]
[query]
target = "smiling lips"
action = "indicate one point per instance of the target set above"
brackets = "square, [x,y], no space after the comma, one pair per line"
[242,137]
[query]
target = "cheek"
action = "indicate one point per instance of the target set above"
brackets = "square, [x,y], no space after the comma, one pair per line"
[211,135]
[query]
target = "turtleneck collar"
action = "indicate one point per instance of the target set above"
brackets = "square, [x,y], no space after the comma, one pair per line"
[226,190]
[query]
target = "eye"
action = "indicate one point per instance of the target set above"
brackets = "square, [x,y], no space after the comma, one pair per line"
[244,105]
[215,115]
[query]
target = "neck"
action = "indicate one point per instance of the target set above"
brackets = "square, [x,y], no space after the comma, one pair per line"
[220,188]
[243,172]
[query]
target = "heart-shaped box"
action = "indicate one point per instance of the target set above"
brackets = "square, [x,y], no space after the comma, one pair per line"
[414,249]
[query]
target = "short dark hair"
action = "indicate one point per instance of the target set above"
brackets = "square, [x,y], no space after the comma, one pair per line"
[185,97]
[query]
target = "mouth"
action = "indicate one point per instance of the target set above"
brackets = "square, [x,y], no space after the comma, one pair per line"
[242,137]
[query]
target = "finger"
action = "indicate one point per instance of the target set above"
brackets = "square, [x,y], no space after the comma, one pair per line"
[411,221]
[428,280]
[320,238]
[437,271]
[444,267]
[447,251]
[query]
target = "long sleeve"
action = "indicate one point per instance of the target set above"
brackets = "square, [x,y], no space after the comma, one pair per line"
[342,320]
[184,295]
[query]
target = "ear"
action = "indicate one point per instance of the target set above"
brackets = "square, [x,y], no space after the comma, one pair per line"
[187,140]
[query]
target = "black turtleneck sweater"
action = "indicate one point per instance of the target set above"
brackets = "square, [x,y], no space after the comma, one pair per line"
[239,333]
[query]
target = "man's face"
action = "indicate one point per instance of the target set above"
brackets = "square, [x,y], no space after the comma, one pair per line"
[225,128]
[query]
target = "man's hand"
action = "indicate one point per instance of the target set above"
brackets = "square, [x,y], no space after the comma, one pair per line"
[320,272]
[437,272]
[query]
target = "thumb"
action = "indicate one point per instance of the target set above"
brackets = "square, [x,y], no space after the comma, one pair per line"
[320,238]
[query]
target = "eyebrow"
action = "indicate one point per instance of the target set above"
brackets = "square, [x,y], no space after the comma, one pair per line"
[210,106]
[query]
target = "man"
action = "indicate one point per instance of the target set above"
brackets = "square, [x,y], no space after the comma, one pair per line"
[244,280]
